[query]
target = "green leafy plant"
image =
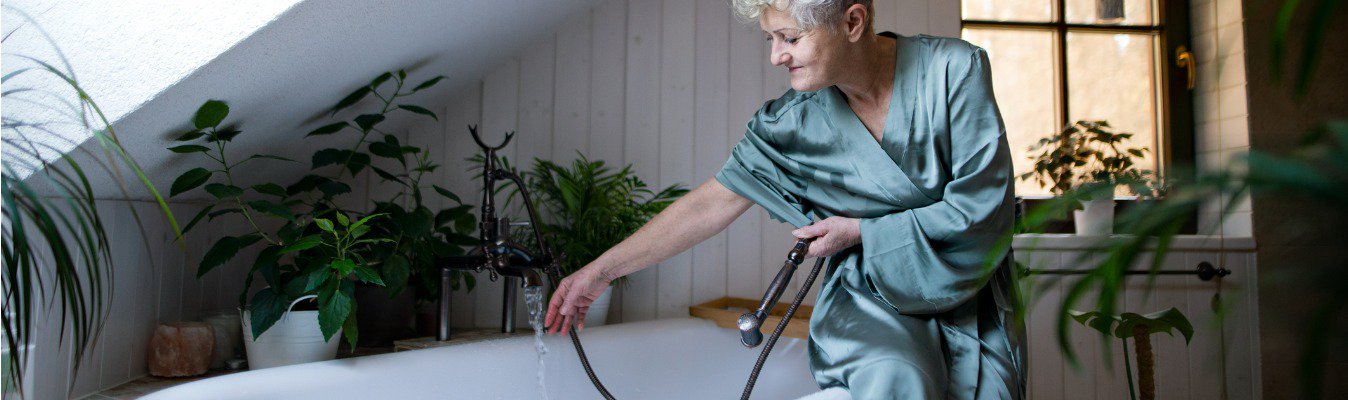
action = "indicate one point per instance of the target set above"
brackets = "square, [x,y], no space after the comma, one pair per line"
[1138,327]
[57,256]
[421,234]
[1084,153]
[317,249]
[588,207]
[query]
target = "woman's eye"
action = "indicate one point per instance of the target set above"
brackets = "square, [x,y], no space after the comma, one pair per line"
[792,40]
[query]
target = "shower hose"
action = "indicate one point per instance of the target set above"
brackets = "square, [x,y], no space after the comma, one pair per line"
[762,355]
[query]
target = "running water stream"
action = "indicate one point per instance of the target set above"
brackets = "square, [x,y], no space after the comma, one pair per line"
[533,298]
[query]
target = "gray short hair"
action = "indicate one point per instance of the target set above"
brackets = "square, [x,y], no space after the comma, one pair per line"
[809,14]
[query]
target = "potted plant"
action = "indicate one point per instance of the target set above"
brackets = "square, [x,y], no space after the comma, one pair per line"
[1088,153]
[589,208]
[1139,328]
[320,251]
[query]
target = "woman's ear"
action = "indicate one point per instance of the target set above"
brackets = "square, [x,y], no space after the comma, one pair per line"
[856,22]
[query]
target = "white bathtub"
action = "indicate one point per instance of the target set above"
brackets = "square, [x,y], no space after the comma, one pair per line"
[682,358]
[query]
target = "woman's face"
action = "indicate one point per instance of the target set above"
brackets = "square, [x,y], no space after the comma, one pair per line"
[810,57]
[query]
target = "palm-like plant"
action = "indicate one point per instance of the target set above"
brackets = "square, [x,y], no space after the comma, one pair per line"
[1138,327]
[588,207]
[57,256]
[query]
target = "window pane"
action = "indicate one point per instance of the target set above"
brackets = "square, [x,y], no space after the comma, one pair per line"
[1008,10]
[1112,76]
[1024,80]
[1134,12]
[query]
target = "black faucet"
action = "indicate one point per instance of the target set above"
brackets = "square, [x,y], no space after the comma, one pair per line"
[497,253]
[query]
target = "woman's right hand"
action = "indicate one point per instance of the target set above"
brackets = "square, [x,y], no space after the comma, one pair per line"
[573,297]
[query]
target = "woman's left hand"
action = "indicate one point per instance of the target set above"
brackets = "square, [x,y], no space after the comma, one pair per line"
[831,235]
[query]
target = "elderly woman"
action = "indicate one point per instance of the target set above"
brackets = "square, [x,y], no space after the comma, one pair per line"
[897,143]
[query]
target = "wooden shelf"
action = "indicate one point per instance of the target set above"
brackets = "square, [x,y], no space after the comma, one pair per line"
[726,311]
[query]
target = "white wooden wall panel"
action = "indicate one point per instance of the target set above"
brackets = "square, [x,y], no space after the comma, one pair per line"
[608,77]
[710,131]
[642,145]
[674,277]
[571,133]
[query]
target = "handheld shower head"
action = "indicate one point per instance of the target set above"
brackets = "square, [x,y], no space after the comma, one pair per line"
[749,323]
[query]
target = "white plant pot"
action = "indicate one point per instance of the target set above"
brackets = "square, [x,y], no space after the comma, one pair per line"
[294,339]
[598,314]
[1097,219]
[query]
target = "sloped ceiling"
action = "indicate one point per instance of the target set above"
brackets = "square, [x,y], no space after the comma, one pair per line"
[282,78]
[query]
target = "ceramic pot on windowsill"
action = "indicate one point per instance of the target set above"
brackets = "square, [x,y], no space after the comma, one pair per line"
[1096,218]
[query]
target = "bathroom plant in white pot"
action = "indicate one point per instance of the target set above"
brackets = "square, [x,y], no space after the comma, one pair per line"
[1089,153]
[311,260]
[320,251]
[587,209]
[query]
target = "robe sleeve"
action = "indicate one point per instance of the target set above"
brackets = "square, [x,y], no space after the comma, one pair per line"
[756,171]
[934,258]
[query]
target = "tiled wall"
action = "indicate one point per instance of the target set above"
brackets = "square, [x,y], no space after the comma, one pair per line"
[1220,114]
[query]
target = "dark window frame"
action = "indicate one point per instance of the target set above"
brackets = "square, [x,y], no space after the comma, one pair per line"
[1177,156]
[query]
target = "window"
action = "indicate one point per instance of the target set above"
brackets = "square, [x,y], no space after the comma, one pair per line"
[1059,61]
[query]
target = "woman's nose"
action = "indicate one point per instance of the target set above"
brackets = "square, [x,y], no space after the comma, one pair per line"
[779,56]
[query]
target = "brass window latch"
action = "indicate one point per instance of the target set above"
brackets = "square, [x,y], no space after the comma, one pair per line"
[1185,59]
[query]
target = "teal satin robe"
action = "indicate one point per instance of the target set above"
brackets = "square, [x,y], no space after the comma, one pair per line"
[918,309]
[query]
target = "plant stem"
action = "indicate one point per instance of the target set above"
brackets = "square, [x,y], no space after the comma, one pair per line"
[229,177]
[1128,368]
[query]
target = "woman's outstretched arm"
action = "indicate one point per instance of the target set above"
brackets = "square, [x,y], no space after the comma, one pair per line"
[691,219]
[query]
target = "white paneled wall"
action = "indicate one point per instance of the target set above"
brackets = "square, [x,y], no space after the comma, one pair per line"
[1222,124]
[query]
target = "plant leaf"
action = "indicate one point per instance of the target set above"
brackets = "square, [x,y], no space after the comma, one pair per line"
[189,148]
[224,134]
[333,188]
[270,208]
[329,129]
[351,99]
[200,214]
[265,309]
[269,157]
[419,110]
[379,80]
[303,243]
[368,121]
[192,135]
[386,150]
[210,114]
[396,272]
[222,191]
[189,180]
[428,83]
[271,189]
[448,194]
[323,224]
[333,309]
[223,250]
[368,275]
